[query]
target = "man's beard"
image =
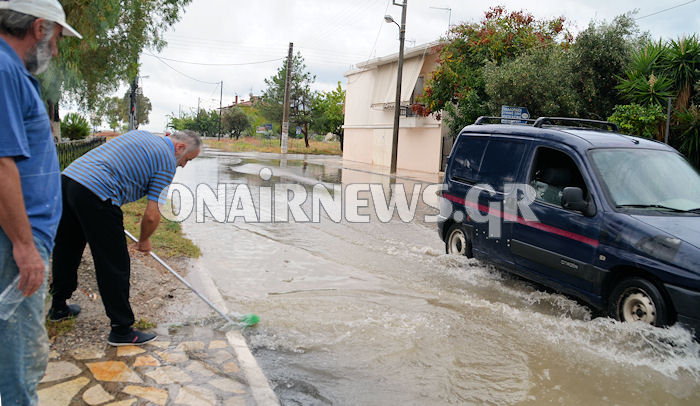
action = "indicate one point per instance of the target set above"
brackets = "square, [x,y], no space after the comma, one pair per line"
[38,58]
[178,158]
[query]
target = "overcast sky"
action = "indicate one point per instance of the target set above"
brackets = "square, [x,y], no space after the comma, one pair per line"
[245,42]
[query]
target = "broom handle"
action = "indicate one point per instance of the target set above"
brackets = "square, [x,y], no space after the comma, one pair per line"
[177,275]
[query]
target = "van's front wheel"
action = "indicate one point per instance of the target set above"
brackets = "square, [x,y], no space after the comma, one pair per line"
[637,299]
[458,241]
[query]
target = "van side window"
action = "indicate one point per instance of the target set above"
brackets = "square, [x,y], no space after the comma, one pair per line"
[467,158]
[552,171]
[501,162]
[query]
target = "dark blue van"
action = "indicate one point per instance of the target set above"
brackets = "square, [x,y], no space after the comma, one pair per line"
[608,218]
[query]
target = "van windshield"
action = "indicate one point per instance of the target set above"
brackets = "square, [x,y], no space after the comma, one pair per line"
[648,179]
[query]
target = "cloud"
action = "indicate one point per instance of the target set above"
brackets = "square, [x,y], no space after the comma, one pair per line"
[332,36]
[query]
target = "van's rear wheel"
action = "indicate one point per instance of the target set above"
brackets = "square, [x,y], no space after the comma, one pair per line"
[458,241]
[637,299]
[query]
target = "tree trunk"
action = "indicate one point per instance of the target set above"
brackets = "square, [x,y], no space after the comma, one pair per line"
[306,135]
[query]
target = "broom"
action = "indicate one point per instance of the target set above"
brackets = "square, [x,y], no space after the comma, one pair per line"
[244,320]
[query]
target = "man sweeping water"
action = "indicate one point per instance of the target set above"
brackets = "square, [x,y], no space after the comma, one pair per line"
[95,186]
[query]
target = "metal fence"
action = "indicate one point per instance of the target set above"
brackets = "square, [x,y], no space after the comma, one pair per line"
[69,151]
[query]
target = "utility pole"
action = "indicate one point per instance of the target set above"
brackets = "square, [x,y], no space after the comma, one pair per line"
[668,121]
[397,105]
[221,96]
[285,112]
[199,128]
[132,103]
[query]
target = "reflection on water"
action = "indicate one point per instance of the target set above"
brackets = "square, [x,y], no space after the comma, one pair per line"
[374,313]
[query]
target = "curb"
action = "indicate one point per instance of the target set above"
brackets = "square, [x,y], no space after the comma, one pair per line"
[259,385]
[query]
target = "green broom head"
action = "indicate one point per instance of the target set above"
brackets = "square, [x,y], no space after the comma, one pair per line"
[249,320]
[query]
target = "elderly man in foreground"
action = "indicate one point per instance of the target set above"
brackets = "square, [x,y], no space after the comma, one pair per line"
[30,194]
[95,186]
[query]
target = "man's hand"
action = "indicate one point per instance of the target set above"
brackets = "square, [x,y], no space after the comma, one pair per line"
[31,268]
[15,224]
[149,223]
[144,246]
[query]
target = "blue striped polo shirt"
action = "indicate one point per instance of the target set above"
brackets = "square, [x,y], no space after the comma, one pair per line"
[127,168]
[25,136]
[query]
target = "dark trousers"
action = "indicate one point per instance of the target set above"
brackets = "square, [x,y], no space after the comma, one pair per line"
[87,219]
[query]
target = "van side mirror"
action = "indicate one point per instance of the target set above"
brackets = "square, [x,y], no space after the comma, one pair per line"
[572,199]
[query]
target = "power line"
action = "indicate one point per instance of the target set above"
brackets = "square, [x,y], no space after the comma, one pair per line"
[348,16]
[666,9]
[218,64]
[379,32]
[183,74]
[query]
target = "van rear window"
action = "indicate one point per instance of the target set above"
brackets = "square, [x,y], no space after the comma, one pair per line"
[467,158]
[490,160]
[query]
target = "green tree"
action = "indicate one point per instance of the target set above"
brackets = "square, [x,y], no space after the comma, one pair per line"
[601,54]
[235,121]
[186,122]
[540,79]
[642,121]
[457,86]
[206,123]
[143,107]
[112,111]
[115,32]
[328,111]
[272,101]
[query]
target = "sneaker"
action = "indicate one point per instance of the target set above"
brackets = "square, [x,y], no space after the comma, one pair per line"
[134,337]
[62,314]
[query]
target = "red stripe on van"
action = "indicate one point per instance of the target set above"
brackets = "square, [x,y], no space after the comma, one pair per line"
[533,224]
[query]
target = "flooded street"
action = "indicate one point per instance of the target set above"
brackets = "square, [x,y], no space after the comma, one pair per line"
[357,312]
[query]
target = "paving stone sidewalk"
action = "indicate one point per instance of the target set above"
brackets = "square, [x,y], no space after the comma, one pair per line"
[175,369]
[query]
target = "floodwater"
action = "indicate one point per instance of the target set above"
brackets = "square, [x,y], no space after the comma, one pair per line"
[374,313]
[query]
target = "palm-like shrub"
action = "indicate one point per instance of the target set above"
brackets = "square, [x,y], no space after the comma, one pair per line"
[74,127]
[646,82]
[681,62]
[646,90]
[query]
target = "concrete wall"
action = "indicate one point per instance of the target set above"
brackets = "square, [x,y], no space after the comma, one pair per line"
[368,127]
[419,148]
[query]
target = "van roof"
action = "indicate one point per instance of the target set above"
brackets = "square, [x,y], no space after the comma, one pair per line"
[581,139]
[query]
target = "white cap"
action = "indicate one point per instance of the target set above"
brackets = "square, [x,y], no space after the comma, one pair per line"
[47,9]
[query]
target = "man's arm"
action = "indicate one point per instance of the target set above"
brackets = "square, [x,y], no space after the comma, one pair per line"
[149,223]
[15,223]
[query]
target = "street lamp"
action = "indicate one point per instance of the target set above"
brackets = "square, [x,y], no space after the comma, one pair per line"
[397,105]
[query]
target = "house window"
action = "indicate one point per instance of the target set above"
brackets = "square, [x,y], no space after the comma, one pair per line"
[417,90]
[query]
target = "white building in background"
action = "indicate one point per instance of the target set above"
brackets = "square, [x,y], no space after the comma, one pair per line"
[369,113]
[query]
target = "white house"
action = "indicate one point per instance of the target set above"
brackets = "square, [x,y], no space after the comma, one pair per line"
[369,113]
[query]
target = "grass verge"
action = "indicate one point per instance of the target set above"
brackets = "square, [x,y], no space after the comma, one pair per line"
[294,146]
[144,324]
[168,240]
[57,328]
